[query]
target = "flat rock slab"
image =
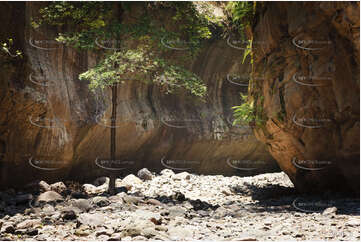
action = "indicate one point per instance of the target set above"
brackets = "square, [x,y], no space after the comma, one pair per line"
[95,220]
[49,196]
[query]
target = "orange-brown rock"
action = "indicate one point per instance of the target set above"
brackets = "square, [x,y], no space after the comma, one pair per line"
[308,86]
[50,128]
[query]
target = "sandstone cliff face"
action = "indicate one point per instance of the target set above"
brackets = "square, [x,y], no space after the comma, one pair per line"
[305,79]
[307,58]
[53,127]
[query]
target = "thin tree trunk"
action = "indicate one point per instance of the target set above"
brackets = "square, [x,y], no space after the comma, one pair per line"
[111,189]
[113,137]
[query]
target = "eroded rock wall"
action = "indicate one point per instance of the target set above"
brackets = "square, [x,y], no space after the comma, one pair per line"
[50,128]
[307,73]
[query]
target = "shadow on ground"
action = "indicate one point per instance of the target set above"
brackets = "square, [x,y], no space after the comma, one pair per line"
[277,198]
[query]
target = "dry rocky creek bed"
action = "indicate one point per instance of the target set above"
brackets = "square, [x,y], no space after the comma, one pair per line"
[182,206]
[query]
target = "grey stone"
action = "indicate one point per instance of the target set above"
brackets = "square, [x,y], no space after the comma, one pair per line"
[103,237]
[101,201]
[28,223]
[131,231]
[176,211]
[95,219]
[203,213]
[131,199]
[49,196]
[154,202]
[48,209]
[82,204]
[145,174]
[146,215]
[58,187]
[222,212]
[56,216]
[108,232]
[135,226]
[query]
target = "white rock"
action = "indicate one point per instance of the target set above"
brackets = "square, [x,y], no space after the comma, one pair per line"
[181,233]
[353,222]
[82,204]
[43,186]
[91,189]
[103,187]
[95,219]
[182,176]
[146,215]
[56,215]
[48,209]
[329,211]
[130,181]
[167,173]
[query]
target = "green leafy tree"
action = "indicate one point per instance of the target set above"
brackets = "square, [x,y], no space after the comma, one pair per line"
[139,65]
[92,20]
